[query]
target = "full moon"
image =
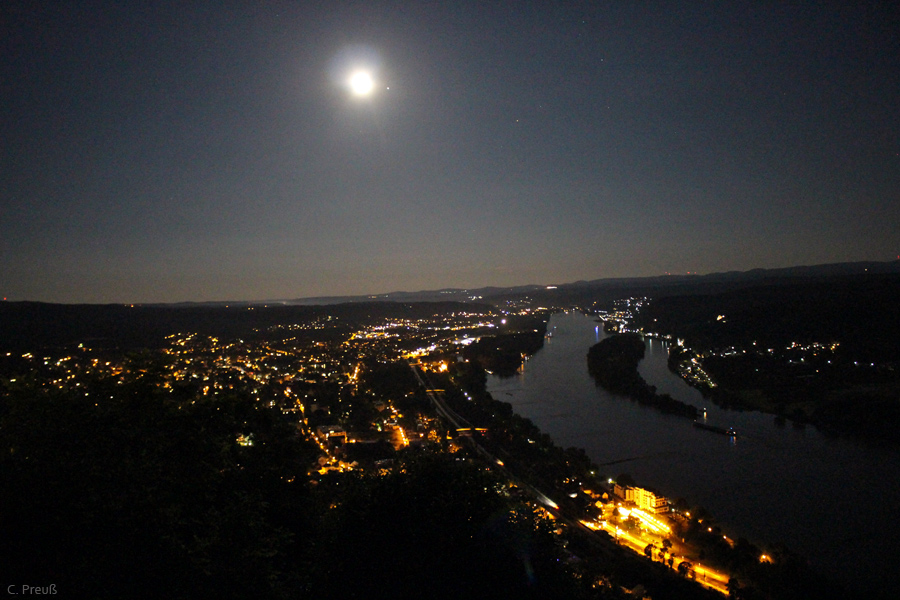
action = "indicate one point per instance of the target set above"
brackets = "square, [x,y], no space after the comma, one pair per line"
[361,83]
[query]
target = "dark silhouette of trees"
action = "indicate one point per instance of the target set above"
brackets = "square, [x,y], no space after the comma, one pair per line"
[127,490]
[504,354]
[613,364]
[439,528]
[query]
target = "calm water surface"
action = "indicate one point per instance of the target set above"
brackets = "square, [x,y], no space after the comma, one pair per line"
[830,499]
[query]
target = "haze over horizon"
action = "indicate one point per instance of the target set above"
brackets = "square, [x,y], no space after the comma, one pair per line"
[167,153]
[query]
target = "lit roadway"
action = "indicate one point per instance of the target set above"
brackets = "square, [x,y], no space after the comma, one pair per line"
[712,579]
[459,422]
[707,577]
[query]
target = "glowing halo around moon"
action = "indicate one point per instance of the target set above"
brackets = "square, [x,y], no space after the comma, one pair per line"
[361,83]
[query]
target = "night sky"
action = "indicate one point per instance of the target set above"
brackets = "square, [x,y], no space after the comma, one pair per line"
[191,151]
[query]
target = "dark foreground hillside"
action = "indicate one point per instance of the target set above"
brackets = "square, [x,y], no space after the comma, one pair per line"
[141,493]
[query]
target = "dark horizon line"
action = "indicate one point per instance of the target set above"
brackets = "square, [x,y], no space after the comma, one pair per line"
[845,268]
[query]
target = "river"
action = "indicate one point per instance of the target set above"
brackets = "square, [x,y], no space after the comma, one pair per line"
[830,499]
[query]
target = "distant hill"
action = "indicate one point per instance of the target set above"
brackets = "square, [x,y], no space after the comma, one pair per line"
[36,324]
[859,311]
[442,295]
[580,292]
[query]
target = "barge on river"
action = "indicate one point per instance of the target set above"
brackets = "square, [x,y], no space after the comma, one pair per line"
[730,431]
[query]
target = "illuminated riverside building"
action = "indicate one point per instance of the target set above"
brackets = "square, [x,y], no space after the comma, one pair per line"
[643,499]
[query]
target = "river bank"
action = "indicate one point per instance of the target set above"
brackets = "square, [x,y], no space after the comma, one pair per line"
[823,497]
